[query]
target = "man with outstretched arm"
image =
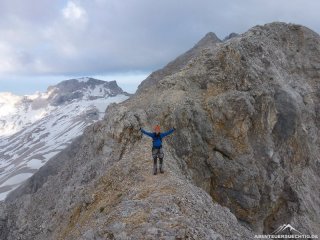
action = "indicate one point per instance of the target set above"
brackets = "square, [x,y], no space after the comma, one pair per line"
[157,151]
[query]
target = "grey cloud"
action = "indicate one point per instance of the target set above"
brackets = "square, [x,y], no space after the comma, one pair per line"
[131,35]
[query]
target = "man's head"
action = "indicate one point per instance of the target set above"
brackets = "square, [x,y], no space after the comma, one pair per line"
[157,129]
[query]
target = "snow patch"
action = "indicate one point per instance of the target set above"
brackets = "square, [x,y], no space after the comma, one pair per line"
[50,155]
[3,195]
[35,164]
[16,179]
[84,79]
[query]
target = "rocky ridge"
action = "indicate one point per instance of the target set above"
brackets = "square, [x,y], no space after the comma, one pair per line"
[208,41]
[244,159]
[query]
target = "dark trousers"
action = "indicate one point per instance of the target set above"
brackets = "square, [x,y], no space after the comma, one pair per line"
[157,153]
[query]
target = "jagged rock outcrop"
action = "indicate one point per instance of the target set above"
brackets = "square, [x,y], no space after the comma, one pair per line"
[208,41]
[243,161]
[231,35]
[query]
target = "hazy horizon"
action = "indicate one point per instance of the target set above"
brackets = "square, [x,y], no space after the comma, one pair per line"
[128,82]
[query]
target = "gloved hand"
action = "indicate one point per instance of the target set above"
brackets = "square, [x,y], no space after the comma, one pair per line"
[174,128]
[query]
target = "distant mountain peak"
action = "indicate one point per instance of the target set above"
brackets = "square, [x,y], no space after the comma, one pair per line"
[76,83]
[34,128]
[231,35]
[71,89]
[68,91]
[209,39]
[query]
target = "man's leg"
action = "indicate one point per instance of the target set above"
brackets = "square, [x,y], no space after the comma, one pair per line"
[160,165]
[161,155]
[155,156]
[155,166]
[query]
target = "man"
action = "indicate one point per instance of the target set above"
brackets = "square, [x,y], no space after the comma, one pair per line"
[157,151]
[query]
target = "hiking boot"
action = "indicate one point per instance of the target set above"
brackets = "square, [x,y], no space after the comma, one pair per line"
[155,170]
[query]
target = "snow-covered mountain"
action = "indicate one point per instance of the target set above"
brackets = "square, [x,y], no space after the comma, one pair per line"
[34,128]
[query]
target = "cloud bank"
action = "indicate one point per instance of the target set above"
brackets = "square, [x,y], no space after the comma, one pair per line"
[97,37]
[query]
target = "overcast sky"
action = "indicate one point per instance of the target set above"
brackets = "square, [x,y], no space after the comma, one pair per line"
[43,42]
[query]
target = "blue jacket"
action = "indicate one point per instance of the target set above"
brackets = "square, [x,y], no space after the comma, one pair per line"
[157,140]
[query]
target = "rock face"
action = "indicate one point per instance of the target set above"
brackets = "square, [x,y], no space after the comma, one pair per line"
[244,158]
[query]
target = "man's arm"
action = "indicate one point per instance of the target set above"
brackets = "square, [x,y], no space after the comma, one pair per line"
[146,133]
[168,132]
